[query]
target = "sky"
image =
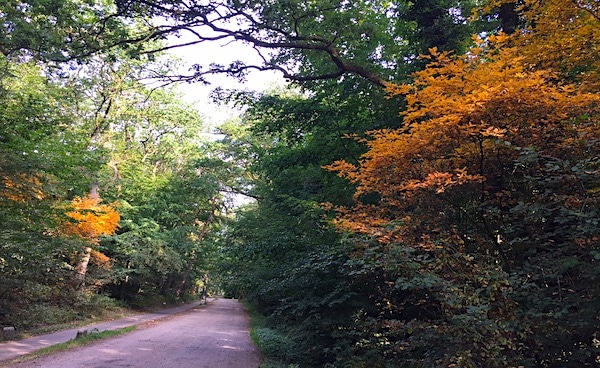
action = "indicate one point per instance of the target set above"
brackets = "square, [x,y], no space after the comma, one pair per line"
[222,53]
[198,93]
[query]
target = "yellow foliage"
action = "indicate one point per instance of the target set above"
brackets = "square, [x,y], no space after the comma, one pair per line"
[21,188]
[560,35]
[100,259]
[91,218]
[465,115]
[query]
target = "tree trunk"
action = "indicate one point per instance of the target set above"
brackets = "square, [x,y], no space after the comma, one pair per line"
[82,267]
[205,288]
[190,264]
[509,17]
[188,270]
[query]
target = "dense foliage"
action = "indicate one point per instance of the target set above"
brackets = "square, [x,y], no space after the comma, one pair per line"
[106,194]
[471,239]
[425,193]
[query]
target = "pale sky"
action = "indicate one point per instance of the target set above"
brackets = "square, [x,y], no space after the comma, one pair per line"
[222,53]
[198,94]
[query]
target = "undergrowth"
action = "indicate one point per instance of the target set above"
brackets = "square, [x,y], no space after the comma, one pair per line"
[80,341]
[278,350]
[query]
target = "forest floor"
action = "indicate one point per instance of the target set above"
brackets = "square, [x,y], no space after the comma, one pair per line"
[215,335]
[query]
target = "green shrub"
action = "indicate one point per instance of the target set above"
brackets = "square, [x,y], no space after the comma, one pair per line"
[274,344]
[43,315]
[91,305]
[148,301]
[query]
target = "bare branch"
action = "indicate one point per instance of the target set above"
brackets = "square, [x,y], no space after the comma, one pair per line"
[213,22]
[582,5]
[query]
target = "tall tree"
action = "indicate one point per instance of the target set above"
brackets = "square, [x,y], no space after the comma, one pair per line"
[89,220]
[487,202]
[303,40]
[42,160]
[63,30]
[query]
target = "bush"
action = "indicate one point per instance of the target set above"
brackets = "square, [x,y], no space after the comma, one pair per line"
[148,301]
[91,305]
[274,344]
[43,315]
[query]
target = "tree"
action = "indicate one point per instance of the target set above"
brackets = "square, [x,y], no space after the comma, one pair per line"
[281,253]
[65,129]
[483,204]
[159,169]
[42,157]
[302,40]
[89,219]
[269,26]
[564,38]
[62,30]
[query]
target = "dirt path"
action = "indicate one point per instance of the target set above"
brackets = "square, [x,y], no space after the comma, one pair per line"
[13,349]
[214,336]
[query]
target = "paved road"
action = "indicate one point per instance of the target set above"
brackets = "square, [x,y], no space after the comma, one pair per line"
[215,336]
[12,349]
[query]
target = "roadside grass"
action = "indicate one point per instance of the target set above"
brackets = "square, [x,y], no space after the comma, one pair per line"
[44,320]
[88,338]
[44,329]
[80,341]
[277,349]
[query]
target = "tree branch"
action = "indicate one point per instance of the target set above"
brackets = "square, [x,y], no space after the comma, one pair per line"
[213,22]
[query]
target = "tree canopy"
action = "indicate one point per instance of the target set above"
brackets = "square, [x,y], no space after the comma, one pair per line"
[424,193]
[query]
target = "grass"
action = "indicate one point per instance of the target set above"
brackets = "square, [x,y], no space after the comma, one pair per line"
[257,321]
[273,346]
[40,330]
[98,315]
[81,341]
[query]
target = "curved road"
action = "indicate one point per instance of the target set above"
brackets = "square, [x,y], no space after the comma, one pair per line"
[215,336]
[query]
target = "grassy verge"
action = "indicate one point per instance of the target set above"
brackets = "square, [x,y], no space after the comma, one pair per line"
[81,341]
[97,313]
[277,349]
[40,330]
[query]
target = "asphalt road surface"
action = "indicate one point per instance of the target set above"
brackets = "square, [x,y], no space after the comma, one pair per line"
[215,336]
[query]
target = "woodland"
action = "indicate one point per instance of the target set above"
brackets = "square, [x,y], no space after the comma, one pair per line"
[423,192]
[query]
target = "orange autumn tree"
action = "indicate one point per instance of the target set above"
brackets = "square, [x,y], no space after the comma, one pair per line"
[90,219]
[21,187]
[483,208]
[559,35]
[468,119]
